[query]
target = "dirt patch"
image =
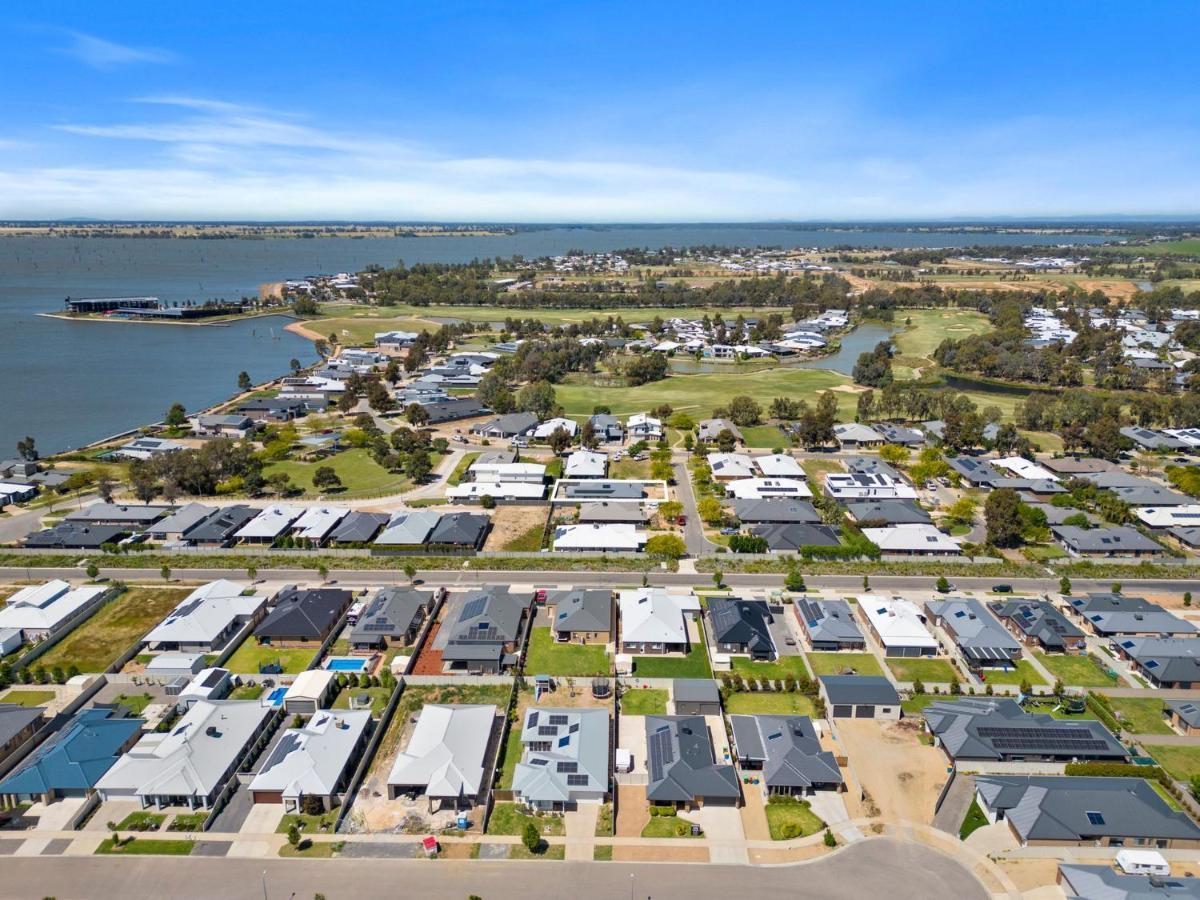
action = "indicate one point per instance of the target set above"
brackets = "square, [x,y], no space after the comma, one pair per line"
[633,810]
[660,854]
[849,388]
[511,522]
[786,855]
[902,776]
[458,851]
[429,661]
[1028,874]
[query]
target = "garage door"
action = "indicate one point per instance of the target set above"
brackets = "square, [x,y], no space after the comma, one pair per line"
[268,796]
[842,712]
[864,712]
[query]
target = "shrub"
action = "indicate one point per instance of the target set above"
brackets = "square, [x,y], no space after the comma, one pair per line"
[830,840]
[530,837]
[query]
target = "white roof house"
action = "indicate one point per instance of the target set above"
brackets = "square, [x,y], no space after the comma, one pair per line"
[533,473]
[654,616]
[270,523]
[192,762]
[643,425]
[206,616]
[317,522]
[764,488]
[597,536]
[914,539]
[497,490]
[313,760]
[40,610]
[897,623]
[779,465]
[547,428]
[1169,516]
[1023,468]
[856,434]
[586,464]
[727,466]
[445,755]
[866,486]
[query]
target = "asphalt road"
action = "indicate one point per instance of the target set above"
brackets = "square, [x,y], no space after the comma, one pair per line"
[874,868]
[850,584]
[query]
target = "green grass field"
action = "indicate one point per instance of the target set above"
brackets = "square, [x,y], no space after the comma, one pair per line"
[836,663]
[765,436]
[379,698]
[361,476]
[1077,671]
[145,847]
[1141,715]
[1024,671]
[511,818]
[974,819]
[548,657]
[694,665]
[783,812]
[135,703]
[932,326]
[784,703]
[644,702]
[248,657]
[930,671]
[1189,247]
[1182,762]
[782,667]
[99,642]
[27,698]
[817,469]
[671,826]
[698,394]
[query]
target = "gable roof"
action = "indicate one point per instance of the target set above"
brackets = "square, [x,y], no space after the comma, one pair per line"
[1106,883]
[312,759]
[771,511]
[75,756]
[222,524]
[43,607]
[681,763]
[488,615]
[787,747]
[1039,619]
[897,621]
[205,613]
[889,512]
[737,621]
[409,527]
[1113,539]
[1166,658]
[998,728]
[576,762]
[445,754]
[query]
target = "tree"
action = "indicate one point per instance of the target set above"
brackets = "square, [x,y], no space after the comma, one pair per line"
[1064,585]
[670,510]
[326,478]
[709,509]
[530,837]
[874,368]
[537,398]
[378,397]
[866,582]
[943,586]
[244,382]
[795,582]
[745,410]
[559,440]
[176,416]
[726,440]
[27,449]
[293,835]
[661,470]
[410,572]
[104,487]
[294,365]
[323,571]
[1002,512]
[251,572]
[419,465]
[666,547]
[1187,598]
[280,482]
[165,572]
[962,510]
[893,453]
[718,576]
[93,571]
[830,840]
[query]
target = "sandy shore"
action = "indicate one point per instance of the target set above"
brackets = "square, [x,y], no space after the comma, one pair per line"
[298,328]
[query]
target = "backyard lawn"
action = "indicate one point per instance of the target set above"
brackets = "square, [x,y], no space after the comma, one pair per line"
[23,697]
[1077,671]
[694,665]
[644,702]
[782,703]
[1141,715]
[548,657]
[790,818]
[836,663]
[247,692]
[379,698]
[1024,671]
[930,671]
[972,820]
[135,703]
[248,657]
[783,667]
[361,476]
[99,642]
[1181,762]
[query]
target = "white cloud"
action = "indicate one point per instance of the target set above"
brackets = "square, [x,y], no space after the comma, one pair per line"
[101,54]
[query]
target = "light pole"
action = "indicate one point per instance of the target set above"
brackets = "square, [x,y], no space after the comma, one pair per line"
[264,883]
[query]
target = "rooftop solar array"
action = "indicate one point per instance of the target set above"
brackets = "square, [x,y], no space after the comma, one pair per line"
[660,752]
[1059,740]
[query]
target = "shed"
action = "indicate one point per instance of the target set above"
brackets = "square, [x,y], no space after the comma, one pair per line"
[696,697]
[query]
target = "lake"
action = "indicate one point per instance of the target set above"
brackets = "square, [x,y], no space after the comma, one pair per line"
[69,383]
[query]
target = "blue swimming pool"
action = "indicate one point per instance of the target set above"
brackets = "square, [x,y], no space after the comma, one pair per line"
[276,696]
[346,664]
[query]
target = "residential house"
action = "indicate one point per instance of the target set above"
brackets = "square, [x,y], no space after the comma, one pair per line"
[1113,541]
[884,513]
[709,430]
[853,435]
[730,466]
[695,697]
[654,621]
[859,697]
[1166,662]
[1039,623]
[206,619]
[213,683]
[409,529]
[269,525]
[768,489]
[829,625]
[194,762]
[612,491]
[595,537]
[452,410]
[981,639]
[483,631]
[898,626]
[509,425]
[1184,715]
[17,725]
[43,610]
[682,766]
[357,528]
[136,518]
[564,758]
[446,755]
[72,760]
[460,531]
[913,540]
[783,511]
[602,512]
[786,750]
[858,486]
[778,465]
[316,524]
[794,537]
[581,616]
[1064,810]
[644,427]
[607,428]
[393,618]
[586,464]
[220,529]
[146,448]
[997,729]
[500,491]
[303,616]
[1105,881]
[218,425]
[180,522]
[900,435]
[741,627]
[547,428]
[1110,615]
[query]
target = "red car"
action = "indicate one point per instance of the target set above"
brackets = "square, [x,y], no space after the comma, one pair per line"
[539,596]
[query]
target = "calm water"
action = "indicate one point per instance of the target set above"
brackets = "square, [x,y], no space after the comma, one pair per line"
[67,383]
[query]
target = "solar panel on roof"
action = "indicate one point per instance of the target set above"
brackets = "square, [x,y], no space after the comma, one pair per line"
[577,780]
[533,718]
[559,719]
[474,607]
[574,728]
[660,752]
[567,767]
[547,730]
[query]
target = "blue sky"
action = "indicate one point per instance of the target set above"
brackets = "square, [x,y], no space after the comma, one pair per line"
[598,112]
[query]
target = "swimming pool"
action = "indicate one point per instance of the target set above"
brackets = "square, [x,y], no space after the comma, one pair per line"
[346,664]
[276,696]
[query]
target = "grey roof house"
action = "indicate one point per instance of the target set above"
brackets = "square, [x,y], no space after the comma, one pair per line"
[783,511]
[565,758]
[482,629]
[392,618]
[859,697]
[1039,623]
[1116,540]
[997,728]
[741,626]
[1166,662]
[886,512]
[794,537]
[981,639]
[682,766]
[829,625]
[1116,614]
[787,752]
[508,425]
[580,615]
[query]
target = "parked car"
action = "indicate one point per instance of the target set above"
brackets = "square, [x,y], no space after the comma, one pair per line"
[1002,588]
[730,530]
[539,596]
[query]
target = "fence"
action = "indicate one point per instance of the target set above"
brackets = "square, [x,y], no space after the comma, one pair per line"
[57,721]
[945,791]
[65,628]
[364,764]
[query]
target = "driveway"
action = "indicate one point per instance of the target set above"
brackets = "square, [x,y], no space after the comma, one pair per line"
[693,529]
[262,818]
[58,815]
[231,818]
[723,827]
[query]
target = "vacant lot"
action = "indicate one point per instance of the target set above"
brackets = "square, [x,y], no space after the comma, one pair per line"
[1182,762]
[99,642]
[775,704]
[839,663]
[694,665]
[549,657]
[937,671]
[517,528]
[902,776]
[1141,715]
[1022,672]
[781,668]
[361,476]
[1077,671]
[248,657]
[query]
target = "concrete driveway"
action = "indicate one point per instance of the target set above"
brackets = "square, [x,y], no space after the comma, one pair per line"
[58,815]
[723,828]
[262,818]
